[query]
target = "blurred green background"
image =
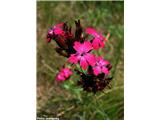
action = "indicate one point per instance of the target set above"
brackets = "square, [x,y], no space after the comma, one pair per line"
[67,101]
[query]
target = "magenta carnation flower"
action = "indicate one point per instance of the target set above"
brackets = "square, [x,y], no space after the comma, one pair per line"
[64,74]
[82,54]
[98,40]
[55,30]
[100,66]
[77,46]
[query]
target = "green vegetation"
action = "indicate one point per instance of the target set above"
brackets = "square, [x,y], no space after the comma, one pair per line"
[67,101]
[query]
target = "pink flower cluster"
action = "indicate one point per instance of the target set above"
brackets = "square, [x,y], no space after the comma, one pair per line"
[55,30]
[79,49]
[85,58]
[98,40]
[64,74]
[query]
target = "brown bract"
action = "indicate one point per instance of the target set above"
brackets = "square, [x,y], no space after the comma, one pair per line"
[92,83]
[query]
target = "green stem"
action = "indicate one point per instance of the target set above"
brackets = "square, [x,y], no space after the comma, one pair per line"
[79,68]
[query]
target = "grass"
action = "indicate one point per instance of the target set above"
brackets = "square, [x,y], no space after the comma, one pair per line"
[67,101]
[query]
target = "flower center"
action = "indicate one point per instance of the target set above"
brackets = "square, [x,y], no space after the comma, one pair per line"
[82,54]
[99,63]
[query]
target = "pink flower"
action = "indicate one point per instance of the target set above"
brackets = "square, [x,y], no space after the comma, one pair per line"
[57,29]
[100,66]
[64,74]
[54,31]
[82,54]
[98,40]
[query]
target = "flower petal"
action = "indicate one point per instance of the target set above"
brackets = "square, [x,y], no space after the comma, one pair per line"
[73,58]
[96,70]
[78,47]
[67,72]
[105,70]
[87,46]
[101,44]
[58,31]
[95,43]
[90,59]
[91,31]
[83,63]
[103,62]
[60,77]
